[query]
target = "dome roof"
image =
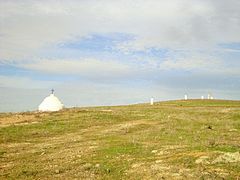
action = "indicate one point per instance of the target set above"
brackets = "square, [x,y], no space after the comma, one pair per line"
[50,103]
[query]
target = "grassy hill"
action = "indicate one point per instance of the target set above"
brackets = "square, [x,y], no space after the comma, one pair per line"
[193,139]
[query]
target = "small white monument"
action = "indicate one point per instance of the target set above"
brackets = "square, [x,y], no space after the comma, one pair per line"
[202,97]
[50,103]
[151,101]
[208,96]
[186,97]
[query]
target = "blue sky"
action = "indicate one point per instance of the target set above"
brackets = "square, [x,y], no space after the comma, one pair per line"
[108,52]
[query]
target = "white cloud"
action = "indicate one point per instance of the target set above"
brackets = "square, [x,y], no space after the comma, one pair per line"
[92,68]
[105,70]
[191,63]
[25,82]
[28,26]
[201,64]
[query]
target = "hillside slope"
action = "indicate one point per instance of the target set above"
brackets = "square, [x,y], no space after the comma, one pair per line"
[194,139]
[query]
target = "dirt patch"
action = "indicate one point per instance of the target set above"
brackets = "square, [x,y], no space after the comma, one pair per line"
[158,170]
[228,158]
[20,119]
[106,110]
[227,110]
[223,158]
[126,126]
[202,160]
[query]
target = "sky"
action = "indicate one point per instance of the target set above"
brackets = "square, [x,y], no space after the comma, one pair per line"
[105,52]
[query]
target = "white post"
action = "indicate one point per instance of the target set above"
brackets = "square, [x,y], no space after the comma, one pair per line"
[208,96]
[185,97]
[151,101]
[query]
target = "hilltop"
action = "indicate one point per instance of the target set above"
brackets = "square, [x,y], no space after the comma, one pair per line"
[193,139]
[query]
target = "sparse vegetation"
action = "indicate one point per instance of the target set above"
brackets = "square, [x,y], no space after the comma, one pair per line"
[170,140]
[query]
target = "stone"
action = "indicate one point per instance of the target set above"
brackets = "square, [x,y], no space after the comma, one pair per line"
[154,151]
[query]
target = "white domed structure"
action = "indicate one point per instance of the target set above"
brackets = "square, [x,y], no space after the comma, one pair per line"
[50,103]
